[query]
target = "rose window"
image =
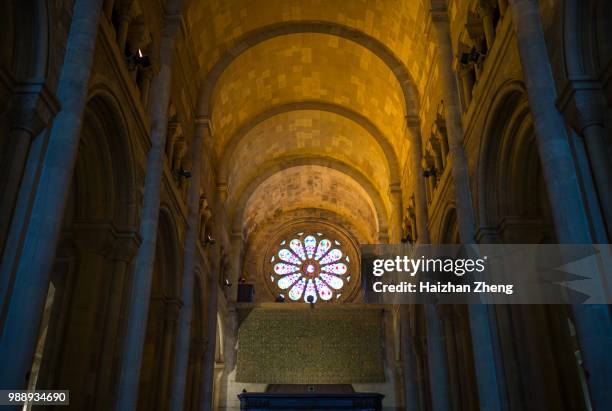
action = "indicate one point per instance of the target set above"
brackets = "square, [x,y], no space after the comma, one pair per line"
[310,267]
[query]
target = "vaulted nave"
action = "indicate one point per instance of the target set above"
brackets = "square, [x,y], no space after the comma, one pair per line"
[185,187]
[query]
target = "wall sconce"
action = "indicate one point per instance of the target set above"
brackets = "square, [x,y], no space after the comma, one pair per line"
[138,60]
[407,239]
[430,172]
[473,56]
[181,172]
[208,241]
[280,299]
[227,283]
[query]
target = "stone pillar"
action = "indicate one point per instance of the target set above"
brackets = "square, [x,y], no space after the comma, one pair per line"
[486,14]
[409,364]
[593,323]
[420,197]
[458,159]
[32,271]
[467,83]
[147,75]
[109,5]
[172,310]
[395,233]
[211,336]
[208,366]
[235,265]
[32,109]
[181,353]
[483,330]
[125,18]
[143,269]
[438,365]
[587,111]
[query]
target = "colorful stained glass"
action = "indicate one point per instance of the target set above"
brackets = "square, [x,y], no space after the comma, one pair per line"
[310,268]
[323,247]
[324,291]
[310,243]
[338,268]
[296,291]
[334,282]
[311,291]
[284,268]
[288,257]
[332,256]
[288,280]
[296,246]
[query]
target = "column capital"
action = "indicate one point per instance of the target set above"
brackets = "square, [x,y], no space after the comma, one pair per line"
[413,121]
[439,15]
[32,106]
[582,103]
[205,123]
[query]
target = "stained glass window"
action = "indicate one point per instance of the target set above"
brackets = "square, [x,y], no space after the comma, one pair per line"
[310,267]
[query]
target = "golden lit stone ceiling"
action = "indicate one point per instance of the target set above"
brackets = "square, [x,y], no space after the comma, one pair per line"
[292,136]
[308,100]
[307,67]
[220,25]
[313,187]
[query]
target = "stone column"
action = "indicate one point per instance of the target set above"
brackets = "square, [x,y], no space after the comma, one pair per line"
[395,233]
[211,336]
[32,109]
[420,197]
[483,330]
[235,265]
[486,13]
[458,159]
[143,269]
[181,356]
[409,364]
[588,106]
[211,309]
[438,364]
[32,271]
[593,323]
[125,19]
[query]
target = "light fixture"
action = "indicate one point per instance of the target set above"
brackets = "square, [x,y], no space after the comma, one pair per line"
[311,301]
[138,60]
[227,283]
[181,172]
[280,299]
[430,172]
[208,241]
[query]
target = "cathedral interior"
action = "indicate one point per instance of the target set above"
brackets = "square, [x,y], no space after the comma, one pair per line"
[167,166]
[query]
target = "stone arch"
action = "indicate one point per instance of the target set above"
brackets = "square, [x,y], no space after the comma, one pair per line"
[362,121]
[103,155]
[510,174]
[258,36]
[164,308]
[276,166]
[98,240]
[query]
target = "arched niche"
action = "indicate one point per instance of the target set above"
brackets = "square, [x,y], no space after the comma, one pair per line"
[89,277]
[512,195]
[514,209]
[162,322]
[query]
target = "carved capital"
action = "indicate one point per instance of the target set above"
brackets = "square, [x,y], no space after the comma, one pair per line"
[583,103]
[32,107]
